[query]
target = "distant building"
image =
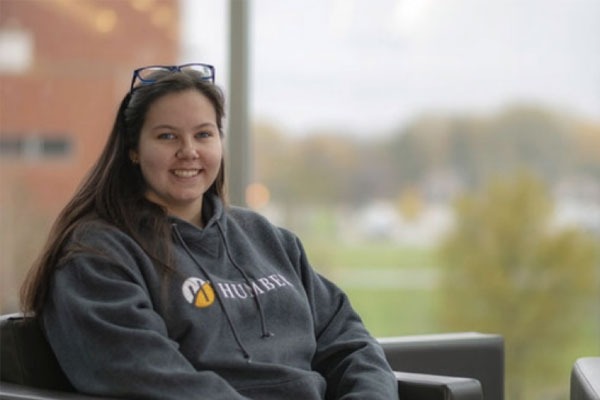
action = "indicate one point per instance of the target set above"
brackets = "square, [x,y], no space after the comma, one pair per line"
[64,67]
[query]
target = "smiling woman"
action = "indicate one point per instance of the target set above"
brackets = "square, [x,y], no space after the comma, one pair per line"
[151,286]
[179,153]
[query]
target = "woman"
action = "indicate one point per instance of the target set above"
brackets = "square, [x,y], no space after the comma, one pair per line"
[151,287]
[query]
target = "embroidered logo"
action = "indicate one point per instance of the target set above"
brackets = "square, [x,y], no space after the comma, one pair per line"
[198,292]
[252,288]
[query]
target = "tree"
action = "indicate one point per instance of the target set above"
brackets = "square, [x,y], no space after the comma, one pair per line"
[506,269]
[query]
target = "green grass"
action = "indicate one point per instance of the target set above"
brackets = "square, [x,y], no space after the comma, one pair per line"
[385,311]
[395,312]
[328,255]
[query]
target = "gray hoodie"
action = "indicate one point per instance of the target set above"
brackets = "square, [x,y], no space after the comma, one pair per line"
[244,317]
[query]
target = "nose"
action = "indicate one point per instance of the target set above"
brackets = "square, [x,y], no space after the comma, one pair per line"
[187,149]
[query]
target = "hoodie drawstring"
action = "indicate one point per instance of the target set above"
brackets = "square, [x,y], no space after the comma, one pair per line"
[217,294]
[263,321]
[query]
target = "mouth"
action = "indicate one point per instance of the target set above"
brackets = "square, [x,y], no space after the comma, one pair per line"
[185,173]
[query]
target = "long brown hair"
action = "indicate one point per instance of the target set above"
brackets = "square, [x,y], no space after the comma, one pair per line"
[113,190]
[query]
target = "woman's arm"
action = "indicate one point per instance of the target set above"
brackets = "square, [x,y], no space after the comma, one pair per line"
[347,355]
[110,341]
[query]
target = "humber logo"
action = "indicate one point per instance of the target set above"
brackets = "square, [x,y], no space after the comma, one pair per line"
[198,292]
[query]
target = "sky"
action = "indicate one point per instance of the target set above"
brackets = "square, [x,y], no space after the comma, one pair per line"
[367,67]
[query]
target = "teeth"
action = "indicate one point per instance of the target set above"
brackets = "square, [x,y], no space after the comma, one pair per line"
[185,173]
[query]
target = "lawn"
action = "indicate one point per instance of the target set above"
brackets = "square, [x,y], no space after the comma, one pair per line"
[330,255]
[395,312]
[390,286]
[394,290]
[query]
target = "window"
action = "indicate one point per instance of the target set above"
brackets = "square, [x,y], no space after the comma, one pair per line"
[369,120]
[35,147]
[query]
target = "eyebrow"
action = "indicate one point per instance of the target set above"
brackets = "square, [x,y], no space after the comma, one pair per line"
[171,127]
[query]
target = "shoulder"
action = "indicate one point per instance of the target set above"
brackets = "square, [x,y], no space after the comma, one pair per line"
[259,230]
[256,224]
[99,238]
[246,217]
[95,231]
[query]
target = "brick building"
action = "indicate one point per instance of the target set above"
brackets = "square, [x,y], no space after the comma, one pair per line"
[67,65]
[64,67]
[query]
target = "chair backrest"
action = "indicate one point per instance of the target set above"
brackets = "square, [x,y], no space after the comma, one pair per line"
[467,354]
[585,379]
[26,357]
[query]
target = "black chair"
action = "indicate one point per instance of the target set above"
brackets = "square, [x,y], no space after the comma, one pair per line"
[466,366]
[477,357]
[585,379]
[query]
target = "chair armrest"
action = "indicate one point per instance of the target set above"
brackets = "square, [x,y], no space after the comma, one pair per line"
[12,391]
[585,379]
[410,386]
[471,355]
[437,387]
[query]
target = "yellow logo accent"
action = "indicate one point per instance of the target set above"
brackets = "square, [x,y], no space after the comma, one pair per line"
[198,292]
[205,296]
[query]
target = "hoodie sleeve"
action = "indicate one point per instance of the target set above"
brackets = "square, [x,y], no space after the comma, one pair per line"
[351,360]
[109,340]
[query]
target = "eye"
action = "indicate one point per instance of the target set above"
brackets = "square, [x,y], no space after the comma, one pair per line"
[166,136]
[204,134]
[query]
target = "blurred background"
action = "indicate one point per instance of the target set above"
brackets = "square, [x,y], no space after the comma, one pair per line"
[440,160]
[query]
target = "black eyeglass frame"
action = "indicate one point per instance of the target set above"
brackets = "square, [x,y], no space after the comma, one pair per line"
[169,68]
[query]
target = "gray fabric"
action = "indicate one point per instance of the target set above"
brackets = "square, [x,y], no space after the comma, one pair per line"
[119,329]
[10,391]
[39,362]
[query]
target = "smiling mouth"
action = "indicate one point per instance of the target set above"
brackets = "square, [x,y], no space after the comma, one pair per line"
[185,173]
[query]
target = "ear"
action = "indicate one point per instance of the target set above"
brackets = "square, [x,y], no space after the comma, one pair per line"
[133,156]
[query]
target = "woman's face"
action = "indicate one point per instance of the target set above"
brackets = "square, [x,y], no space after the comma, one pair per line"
[179,152]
